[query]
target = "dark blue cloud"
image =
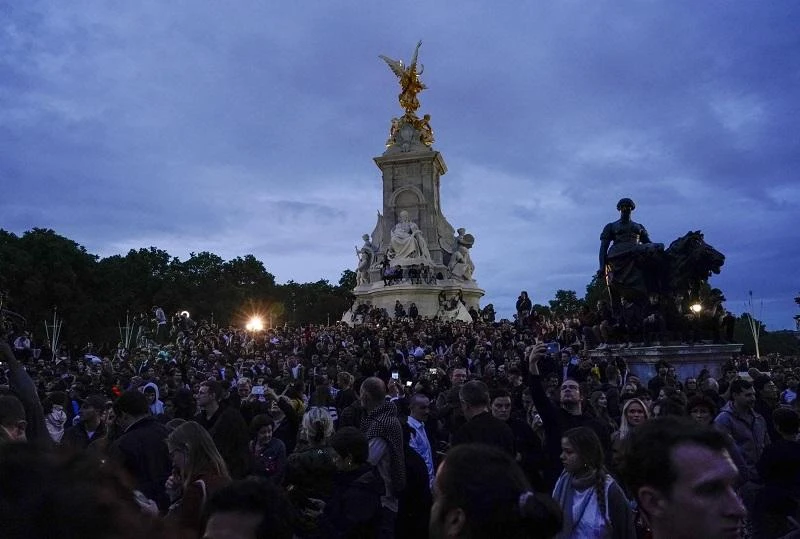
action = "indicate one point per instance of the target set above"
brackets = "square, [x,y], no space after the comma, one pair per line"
[251,127]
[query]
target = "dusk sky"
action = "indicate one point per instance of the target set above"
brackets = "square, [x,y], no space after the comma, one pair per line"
[250,127]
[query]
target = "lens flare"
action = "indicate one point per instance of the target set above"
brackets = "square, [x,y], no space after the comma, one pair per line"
[255,324]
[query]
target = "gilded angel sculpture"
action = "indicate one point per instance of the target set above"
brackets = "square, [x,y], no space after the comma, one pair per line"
[410,85]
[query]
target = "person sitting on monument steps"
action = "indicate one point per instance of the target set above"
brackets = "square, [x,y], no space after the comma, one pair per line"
[408,241]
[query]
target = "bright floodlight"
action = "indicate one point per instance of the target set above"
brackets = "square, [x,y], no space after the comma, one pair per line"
[255,324]
[696,307]
[185,313]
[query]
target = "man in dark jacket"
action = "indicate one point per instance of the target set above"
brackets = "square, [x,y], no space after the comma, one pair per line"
[226,426]
[142,448]
[89,428]
[557,420]
[481,426]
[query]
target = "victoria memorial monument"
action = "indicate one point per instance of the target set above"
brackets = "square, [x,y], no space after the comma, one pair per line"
[414,255]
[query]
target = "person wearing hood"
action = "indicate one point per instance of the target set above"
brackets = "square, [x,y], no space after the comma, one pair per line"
[55,417]
[154,404]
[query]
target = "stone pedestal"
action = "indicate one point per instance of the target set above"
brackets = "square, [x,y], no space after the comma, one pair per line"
[411,172]
[688,360]
[425,296]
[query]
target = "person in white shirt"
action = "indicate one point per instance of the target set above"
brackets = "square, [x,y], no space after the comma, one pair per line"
[420,407]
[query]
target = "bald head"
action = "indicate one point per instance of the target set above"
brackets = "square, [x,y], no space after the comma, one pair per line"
[373,393]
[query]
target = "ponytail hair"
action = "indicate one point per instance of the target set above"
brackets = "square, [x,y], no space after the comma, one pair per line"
[317,425]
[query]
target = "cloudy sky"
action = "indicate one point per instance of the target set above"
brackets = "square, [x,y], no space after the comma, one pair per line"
[250,127]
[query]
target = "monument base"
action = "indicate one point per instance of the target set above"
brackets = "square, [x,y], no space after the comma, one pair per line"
[688,359]
[427,297]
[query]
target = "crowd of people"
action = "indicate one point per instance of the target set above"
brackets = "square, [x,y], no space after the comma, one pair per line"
[396,427]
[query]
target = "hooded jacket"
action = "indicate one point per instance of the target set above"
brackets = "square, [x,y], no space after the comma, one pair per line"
[157,408]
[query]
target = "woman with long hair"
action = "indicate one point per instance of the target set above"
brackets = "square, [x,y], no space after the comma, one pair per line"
[634,413]
[599,402]
[594,504]
[198,471]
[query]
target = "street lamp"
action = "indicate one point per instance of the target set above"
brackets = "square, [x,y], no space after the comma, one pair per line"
[255,324]
[696,307]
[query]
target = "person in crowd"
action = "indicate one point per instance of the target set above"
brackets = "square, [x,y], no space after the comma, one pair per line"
[659,380]
[198,471]
[322,398]
[353,509]
[673,405]
[287,416]
[414,504]
[23,387]
[683,480]
[748,430]
[267,453]
[346,395]
[386,452]
[701,409]
[141,449]
[767,401]
[44,494]
[481,426]
[691,386]
[55,416]
[419,408]
[594,505]
[779,468]
[527,444]
[634,413]
[184,405]
[250,404]
[604,325]
[599,403]
[558,419]
[311,468]
[226,426]
[789,395]
[523,306]
[154,403]
[90,426]
[12,420]
[252,509]
[481,493]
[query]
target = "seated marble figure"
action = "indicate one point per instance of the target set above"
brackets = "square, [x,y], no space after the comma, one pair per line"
[408,241]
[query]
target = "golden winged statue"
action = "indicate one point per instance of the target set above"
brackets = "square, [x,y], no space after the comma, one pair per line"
[410,85]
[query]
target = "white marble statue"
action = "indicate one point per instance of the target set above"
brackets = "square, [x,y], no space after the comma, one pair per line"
[461,266]
[407,240]
[366,259]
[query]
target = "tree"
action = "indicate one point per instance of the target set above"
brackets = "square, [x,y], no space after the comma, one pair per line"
[566,303]
[348,279]
[596,291]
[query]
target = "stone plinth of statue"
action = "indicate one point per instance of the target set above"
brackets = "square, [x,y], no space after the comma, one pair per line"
[688,359]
